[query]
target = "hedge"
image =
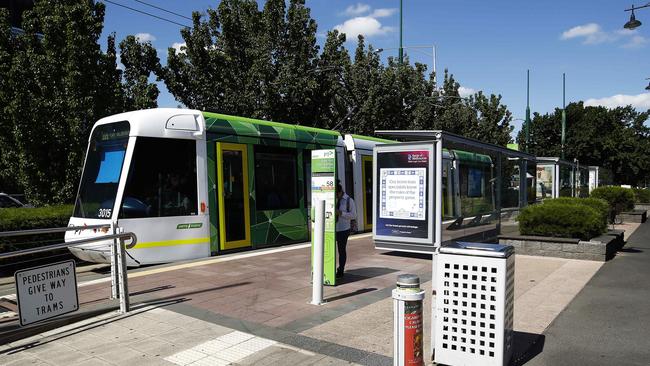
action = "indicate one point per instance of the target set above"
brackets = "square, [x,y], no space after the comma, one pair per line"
[33,218]
[600,205]
[564,220]
[641,195]
[619,199]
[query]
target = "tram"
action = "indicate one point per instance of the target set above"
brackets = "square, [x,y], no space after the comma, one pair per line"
[193,184]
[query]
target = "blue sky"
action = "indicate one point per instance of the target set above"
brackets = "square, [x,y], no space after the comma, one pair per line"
[487,45]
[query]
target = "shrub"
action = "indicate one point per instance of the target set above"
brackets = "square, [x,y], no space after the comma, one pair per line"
[33,218]
[619,199]
[600,205]
[641,195]
[562,220]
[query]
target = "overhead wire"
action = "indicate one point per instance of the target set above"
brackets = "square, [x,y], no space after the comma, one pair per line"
[165,10]
[145,13]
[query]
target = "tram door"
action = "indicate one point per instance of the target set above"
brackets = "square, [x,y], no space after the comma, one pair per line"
[234,210]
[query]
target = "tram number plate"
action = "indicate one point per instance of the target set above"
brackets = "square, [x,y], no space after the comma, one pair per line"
[46,291]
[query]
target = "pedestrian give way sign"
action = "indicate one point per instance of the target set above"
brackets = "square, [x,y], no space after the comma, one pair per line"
[46,291]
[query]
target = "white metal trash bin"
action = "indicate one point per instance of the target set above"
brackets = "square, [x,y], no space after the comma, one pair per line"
[474,304]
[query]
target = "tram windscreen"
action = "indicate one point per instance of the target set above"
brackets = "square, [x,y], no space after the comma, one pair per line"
[101,174]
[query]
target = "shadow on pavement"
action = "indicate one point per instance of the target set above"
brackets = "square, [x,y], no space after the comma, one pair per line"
[359,274]
[527,346]
[631,250]
[354,293]
[409,255]
[149,290]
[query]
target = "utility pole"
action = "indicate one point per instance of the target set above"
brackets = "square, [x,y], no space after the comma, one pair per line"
[401,50]
[563,112]
[527,110]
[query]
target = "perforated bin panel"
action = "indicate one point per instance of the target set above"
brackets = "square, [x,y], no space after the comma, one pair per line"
[474,308]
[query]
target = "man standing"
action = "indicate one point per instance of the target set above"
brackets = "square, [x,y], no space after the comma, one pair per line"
[346,216]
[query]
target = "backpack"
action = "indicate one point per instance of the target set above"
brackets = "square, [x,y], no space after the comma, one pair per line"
[354,226]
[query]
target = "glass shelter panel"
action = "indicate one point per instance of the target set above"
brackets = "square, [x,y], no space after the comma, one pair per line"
[567,183]
[471,196]
[545,179]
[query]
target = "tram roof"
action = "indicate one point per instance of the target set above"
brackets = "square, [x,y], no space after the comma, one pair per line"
[433,135]
[234,125]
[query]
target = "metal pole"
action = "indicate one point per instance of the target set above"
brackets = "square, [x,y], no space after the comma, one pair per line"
[563,112]
[527,110]
[114,280]
[437,201]
[125,305]
[435,74]
[401,50]
[318,254]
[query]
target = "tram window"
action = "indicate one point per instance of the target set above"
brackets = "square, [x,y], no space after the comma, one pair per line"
[162,179]
[276,181]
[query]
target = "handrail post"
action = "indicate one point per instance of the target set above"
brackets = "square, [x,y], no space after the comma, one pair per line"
[114,280]
[125,305]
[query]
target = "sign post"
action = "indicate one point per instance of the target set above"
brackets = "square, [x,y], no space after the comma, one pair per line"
[323,187]
[47,291]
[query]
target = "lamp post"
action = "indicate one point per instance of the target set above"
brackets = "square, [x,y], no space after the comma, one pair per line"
[633,22]
[527,122]
[563,112]
[401,49]
[417,48]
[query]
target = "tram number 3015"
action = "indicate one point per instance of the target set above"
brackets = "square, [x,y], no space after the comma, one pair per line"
[104,213]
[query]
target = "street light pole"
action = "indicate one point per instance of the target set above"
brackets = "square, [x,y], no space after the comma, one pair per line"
[527,109]
[433,57]
[401,49]
[563,112]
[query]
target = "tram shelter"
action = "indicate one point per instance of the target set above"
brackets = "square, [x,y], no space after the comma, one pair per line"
[561,178]
[436,187]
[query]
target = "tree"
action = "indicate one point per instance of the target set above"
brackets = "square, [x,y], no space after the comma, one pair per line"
[56,86]
[615,139]
[140,60]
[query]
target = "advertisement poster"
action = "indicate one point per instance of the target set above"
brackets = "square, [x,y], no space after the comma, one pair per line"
[403,194]
[474,183]
[323,187]
[413,338]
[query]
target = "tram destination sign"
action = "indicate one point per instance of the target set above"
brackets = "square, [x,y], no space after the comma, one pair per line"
[47,291]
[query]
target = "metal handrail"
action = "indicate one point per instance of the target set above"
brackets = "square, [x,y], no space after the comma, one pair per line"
[4,234]
[18,253]
[119,278]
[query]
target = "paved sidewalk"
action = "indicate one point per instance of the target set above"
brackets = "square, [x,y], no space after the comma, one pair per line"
[252,308]
[608,323]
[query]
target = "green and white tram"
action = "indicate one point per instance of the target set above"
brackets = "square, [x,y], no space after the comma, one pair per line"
[193,184]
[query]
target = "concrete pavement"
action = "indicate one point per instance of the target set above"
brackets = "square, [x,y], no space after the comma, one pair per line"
[258,301]
[608,323]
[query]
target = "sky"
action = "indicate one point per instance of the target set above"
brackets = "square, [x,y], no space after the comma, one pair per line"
[486,45]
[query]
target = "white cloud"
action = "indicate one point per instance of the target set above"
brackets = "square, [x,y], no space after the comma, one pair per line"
[466,92]
[382,13]
[178,45]
[592,33]
[636,42]
[145,37]
[356,9]
[367,26]
[581,31]
[118,61]
[639,101]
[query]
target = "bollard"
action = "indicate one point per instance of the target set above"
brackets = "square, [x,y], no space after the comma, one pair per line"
[408,343]
[318,254]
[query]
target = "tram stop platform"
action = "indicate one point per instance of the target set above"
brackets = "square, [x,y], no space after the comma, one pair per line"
[253,308]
